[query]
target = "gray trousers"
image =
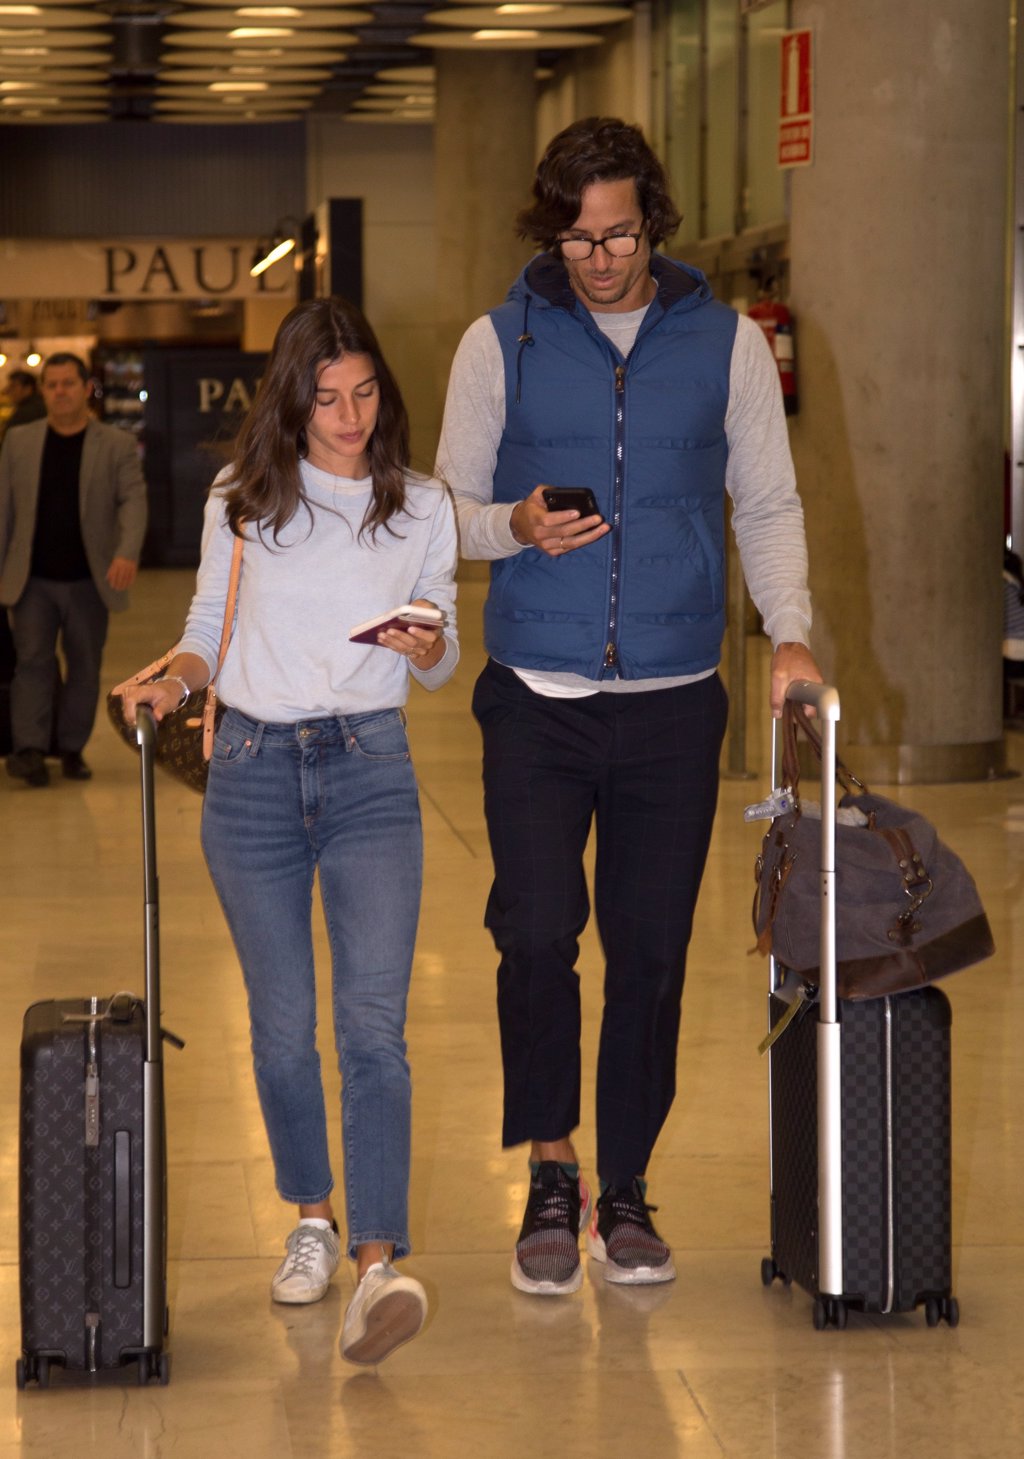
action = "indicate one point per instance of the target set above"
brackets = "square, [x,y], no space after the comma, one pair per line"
[75,614]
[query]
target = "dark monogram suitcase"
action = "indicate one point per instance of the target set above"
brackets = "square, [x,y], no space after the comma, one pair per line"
[92,1168]
[860,1123]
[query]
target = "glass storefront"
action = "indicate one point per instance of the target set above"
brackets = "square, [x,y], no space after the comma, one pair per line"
[722,115]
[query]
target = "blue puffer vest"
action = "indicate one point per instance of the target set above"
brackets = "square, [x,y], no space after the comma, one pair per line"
[647,434]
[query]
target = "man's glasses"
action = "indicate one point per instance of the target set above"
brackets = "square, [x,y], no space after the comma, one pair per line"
[616,245]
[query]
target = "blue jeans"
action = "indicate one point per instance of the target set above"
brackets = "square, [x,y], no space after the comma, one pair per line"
[335,797]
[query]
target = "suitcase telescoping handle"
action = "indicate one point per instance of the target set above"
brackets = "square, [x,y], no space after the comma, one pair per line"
[154,1298]
[145,731]
[825,700]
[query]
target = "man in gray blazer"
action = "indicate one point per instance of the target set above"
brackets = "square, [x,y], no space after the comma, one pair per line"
[72,520]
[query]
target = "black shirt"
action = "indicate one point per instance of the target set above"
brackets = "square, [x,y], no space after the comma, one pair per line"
[58,551]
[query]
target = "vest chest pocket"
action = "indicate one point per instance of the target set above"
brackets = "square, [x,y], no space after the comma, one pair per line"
[681,560]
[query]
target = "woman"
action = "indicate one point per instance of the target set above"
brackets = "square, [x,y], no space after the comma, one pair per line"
[311,774]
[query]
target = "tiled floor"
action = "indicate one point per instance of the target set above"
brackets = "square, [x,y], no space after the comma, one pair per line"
[713,1365]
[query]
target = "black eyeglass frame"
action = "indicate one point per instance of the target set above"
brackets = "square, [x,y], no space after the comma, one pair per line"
[599,242]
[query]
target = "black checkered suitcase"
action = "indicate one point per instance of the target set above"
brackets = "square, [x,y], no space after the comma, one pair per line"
[859,1125]
[92,1168]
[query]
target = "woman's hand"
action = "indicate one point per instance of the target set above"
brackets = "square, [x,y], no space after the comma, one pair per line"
[424,647]
[162,696]
[184,674]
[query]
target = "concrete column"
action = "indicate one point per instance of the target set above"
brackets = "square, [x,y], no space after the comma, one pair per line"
[898,288]
[484,165]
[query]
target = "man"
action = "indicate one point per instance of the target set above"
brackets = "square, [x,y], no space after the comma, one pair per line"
[609,367]
[21,390]
[72,520]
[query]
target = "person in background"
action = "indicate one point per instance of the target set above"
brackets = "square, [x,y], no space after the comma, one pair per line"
[1013,632]
[22,391]
[609,367]
[311,776]
[72,522]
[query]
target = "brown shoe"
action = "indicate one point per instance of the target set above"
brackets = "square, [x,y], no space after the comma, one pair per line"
[73,767]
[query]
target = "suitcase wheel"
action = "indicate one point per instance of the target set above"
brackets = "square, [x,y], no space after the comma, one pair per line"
[936,1308]
[829,1312]
[19,1373]
[154,1365]
[769,1272]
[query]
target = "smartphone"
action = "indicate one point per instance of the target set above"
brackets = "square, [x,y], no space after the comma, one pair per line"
[571,499]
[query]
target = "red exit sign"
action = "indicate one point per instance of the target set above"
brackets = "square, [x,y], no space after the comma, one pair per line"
[796,99]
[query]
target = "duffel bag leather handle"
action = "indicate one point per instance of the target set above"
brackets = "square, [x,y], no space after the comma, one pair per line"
[792,717]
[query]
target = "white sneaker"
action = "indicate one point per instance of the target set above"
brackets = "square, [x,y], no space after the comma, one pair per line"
[313,1254]
[386,1311]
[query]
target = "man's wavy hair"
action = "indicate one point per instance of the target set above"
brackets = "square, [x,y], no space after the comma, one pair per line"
[597,149]
[266,487]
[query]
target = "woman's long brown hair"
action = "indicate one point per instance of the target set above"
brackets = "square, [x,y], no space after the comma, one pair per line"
[265,485]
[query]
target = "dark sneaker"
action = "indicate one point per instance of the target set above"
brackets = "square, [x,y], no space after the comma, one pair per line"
[73,767]
[547,1254]
[621,1235]
[28,765]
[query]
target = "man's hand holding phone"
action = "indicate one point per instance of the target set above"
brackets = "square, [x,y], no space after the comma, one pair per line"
[558,519]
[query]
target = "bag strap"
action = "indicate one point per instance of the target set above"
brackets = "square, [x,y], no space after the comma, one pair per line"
[151,671]
[210,706]
[917,884]
[792,718]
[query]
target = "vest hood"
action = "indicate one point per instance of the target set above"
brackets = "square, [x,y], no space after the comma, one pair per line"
[544,282]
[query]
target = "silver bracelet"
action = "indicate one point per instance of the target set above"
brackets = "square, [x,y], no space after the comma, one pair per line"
[177,679]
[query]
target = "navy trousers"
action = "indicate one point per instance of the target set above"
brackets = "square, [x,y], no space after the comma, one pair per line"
[644,767]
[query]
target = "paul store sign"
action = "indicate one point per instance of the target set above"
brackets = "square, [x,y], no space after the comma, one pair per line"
[140,269]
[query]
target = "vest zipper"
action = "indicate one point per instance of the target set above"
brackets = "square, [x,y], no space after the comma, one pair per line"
[611,652]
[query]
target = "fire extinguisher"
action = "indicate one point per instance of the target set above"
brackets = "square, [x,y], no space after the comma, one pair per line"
[777,323]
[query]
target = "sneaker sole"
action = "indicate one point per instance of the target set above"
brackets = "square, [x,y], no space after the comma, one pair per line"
[394,1319]
[314,1294]
[641,1276]
[534,1288]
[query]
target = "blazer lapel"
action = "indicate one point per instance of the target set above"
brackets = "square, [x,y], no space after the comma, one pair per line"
[32,465]
[90,446]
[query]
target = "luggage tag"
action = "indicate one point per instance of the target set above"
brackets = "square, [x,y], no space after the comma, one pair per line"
[120,1009]
[92,1085]
[804,995]
[779,803]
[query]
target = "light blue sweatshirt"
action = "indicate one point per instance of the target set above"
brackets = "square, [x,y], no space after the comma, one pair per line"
[298,599]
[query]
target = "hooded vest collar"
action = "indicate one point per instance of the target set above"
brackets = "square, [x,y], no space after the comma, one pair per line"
[547,280]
